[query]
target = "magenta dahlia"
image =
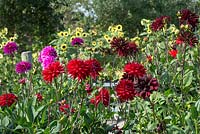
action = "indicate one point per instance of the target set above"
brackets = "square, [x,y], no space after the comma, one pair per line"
[10,48]
[23,67]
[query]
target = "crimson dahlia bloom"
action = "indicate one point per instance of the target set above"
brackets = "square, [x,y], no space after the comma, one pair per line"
[7,99]
[173,53]
[52,71]
[10,48]
[159,23]
[134,69]
[103,96]
[22,67]
[145,85]
[125,90]
[187,37]
[95,67]
[188,17]
[77,41]
[78,69]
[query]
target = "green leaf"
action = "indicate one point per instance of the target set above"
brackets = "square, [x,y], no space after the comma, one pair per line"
[187,78]
[189,121]
[5,121]
[36,113]
[197,105]
[56,129]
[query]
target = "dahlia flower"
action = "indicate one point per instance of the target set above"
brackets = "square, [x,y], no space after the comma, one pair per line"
[159,23]
[23,67]
[119,45]
[7,99]
[125,90]
[52,71]
[134,69]
[10,48]
[94,66]
[78,69]
[173,53]
[77,41]
[39,96]
[188,17]
[103,96]
[145,85]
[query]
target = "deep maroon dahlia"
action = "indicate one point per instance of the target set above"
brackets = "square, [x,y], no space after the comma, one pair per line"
[78,69]
[95,67]
[134,69]
[10,48]
[159,23]
[119,45]
[145,85]
[188,17]
[23,67]
[125,90]
[187,37]
[7,99]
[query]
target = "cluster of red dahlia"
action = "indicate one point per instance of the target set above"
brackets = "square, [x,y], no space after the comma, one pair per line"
[123,47]
[188,17]
[159,23]
[52,71]
[103,96]
[7,99]
[135,82]
[187,37]
[79,69]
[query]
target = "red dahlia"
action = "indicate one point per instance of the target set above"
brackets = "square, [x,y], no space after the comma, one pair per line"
[159,23]
[7,99]
[65,108]
[52,71]
[95,67]
[145,85]
[173,53]
[39,96]
[125,90]
[78,69]
[187,37]
[103,96]
[188,17]
[134,69]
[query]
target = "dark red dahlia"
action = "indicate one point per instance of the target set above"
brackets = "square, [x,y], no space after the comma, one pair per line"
[95,67]
[145,85]
[119,45]
[52,71]
[7,99]
[103,96]
[187,37]
[149,58]
[132,48]
[125,90]
[134,69]
[39,96]
[159,23]
[188,17]
[78,69]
